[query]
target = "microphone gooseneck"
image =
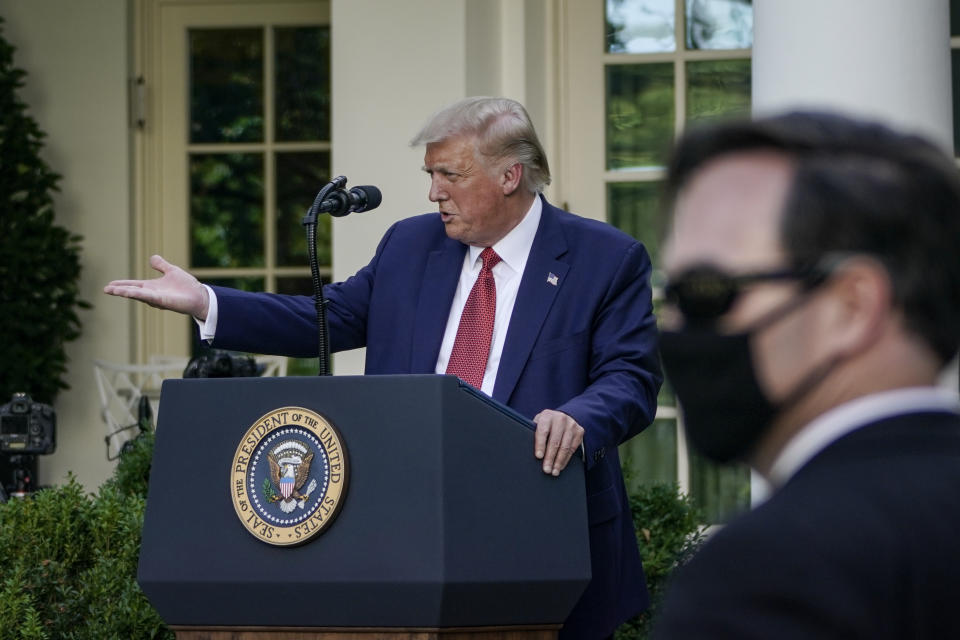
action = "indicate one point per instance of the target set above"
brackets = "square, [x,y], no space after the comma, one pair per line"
[334,199]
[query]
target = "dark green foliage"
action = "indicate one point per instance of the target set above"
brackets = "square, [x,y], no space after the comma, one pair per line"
[68,561]
[39,261]
[668,527]
[133,471]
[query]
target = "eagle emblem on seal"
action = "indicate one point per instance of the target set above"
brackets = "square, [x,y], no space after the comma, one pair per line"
[289,470]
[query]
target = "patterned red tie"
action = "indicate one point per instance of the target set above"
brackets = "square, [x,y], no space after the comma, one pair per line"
[468,360]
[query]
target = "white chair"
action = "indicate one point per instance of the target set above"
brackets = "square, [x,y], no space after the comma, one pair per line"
[121,386]
[171,361]
[274,366]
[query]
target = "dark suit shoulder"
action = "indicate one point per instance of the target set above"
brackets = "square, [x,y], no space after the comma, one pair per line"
[411,240]
[595,230]
[857,545]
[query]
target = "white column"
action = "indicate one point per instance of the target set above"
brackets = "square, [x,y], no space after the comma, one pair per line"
[885,59]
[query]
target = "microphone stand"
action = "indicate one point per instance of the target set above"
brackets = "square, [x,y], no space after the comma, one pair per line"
[310,223]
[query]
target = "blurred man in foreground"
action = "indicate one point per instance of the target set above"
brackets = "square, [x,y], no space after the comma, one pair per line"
[814,298]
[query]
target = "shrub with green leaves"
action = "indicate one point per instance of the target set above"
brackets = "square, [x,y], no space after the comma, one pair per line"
[39,260]
[68,560]
[669,530]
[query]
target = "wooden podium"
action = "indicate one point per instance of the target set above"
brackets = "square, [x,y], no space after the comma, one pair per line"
[447,528]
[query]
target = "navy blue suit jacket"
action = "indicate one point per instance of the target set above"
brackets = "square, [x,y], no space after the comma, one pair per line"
[581,340]
[860,544]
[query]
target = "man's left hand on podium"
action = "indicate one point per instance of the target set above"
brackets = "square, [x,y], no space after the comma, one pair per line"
[557,438]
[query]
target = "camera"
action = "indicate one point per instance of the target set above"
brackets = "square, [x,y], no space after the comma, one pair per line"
[27,427]
[222,364]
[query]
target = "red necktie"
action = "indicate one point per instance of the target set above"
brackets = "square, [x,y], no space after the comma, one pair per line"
[468,360]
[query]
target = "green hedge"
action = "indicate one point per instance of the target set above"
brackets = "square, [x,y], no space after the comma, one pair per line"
[68,560]
[669,530]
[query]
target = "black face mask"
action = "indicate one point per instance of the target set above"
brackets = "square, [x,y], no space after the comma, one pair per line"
[725,410]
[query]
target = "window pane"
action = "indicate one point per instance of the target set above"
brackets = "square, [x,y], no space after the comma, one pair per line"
[226,210]
[634,207]
[226,85]
[244,283]
[955,72]
[299,177]
[719,24]
[640,114]
[640,26]
[721,491]
[651,456]
[666,397]
[304,366]
[718,88]
[303,83]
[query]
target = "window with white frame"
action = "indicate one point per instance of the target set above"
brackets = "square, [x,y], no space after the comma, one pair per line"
[639,71]
[235,144]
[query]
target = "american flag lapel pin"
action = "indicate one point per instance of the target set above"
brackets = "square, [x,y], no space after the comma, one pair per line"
[552,278]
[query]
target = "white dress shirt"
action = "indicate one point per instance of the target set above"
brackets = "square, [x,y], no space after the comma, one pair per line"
[208,327]
[513,249]
[839,421]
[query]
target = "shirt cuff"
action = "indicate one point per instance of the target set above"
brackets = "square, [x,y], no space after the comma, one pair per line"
[208,327]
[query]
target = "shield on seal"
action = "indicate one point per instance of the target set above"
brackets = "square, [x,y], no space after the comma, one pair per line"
[289,470]
[286,483]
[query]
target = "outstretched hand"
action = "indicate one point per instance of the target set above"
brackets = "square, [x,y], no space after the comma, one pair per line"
[175,290]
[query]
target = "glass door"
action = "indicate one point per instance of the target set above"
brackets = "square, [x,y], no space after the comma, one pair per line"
[639,71]
[242,144]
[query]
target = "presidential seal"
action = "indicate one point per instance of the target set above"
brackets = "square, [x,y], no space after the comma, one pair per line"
[289,476]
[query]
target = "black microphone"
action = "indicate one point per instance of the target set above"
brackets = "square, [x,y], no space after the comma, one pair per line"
[341,202]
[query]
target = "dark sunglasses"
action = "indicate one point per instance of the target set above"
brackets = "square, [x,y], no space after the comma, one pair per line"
[705,293]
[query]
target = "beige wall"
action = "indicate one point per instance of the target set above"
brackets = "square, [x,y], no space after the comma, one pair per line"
[75,56]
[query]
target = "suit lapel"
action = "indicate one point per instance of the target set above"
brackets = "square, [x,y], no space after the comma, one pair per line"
[542,279]
[433,307]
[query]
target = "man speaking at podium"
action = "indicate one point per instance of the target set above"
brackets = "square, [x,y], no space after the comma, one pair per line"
[545,311]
